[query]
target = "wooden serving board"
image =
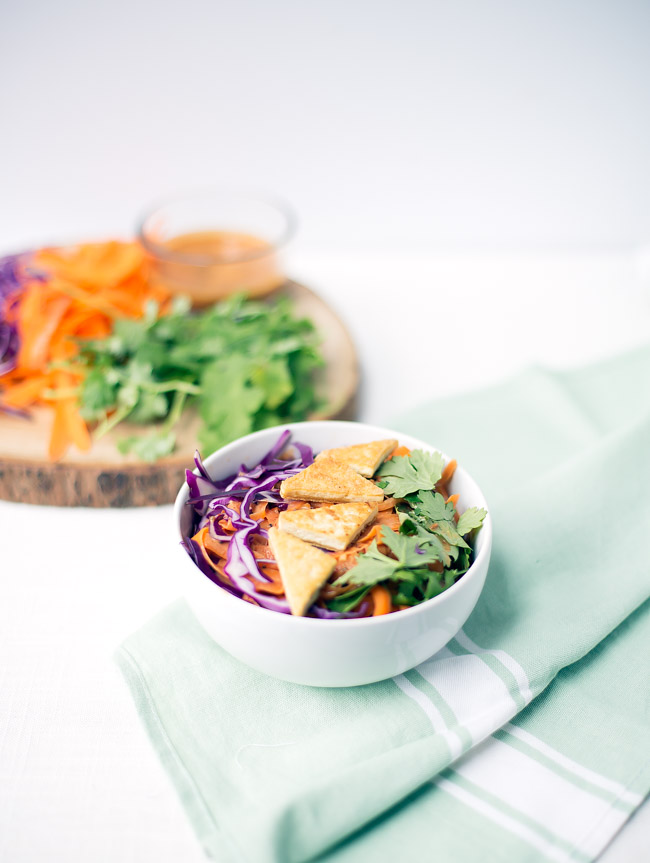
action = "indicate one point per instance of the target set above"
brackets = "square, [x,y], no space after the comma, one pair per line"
[104,477]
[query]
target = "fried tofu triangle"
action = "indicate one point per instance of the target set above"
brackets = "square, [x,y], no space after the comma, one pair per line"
[303,569]
[333,527]
[364,458]
[330,481]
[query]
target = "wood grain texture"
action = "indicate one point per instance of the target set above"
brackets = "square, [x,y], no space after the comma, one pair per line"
[103,477]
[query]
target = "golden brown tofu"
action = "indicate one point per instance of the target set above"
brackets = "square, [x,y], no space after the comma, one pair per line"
[303,569]
[364,458]
[333,527]
[330,481]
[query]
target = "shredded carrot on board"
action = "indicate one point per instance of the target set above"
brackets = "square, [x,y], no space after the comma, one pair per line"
[25,392]
[76,294]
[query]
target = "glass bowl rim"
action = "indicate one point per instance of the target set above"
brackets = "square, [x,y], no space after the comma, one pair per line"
[275,202]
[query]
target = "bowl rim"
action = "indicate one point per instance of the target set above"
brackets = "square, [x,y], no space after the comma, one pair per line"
[349,623]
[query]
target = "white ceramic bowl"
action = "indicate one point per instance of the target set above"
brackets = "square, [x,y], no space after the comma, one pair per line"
[330,652]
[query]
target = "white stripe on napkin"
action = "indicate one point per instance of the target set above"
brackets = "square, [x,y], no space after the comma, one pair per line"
[536,799]
[504,658]
[435,717]
[573,767]
[503,820]
[534,790]
[478,697]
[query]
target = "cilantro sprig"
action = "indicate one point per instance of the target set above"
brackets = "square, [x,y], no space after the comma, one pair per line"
[242,364]
[407,561]
[404,475]
[432,548]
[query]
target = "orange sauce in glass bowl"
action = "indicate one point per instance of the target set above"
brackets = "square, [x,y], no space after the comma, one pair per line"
[212,264]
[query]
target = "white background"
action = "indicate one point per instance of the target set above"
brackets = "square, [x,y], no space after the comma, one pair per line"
[408,125]
[486,163]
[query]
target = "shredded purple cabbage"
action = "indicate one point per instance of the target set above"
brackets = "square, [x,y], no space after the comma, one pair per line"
[15,412]
[327,614]
[210,500]
[13,275]
[10,283]
[277,449]
[194,551]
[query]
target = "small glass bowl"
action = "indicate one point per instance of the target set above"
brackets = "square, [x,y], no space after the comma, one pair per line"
[210,244]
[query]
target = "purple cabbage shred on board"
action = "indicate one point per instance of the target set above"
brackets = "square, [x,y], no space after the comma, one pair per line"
[13,275]
[211,500]
[11,281]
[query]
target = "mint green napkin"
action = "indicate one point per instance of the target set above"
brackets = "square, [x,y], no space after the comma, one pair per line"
[452,760]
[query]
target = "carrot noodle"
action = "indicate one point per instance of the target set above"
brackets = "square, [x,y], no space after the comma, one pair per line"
[259,511]
[199,538]
[448,472]
[390,519]
[381,600]
[399,450]
[298,504]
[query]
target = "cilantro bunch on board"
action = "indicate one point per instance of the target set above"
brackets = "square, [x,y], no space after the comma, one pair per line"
[242,364]
[433,546]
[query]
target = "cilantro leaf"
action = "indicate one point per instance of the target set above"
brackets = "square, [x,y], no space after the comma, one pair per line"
[128,335]
[428,465]
[463,562]
[447,530]
[409,552]
[229,412]
[411,527]
[471,519]
[435,585]
[433,506]
[411,594]
[348,600]
[274,379]
[370,568]
[404,475]
[410,561]
[432,511]
[97,395]
[149,408]
[408,594]
[149,447]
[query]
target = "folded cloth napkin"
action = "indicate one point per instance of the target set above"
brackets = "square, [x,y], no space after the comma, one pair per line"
[452,760]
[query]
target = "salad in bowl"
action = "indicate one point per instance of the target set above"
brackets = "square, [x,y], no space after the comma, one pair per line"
[308,539]
[354,531]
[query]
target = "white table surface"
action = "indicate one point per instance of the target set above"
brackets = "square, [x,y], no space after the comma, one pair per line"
[78,778]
